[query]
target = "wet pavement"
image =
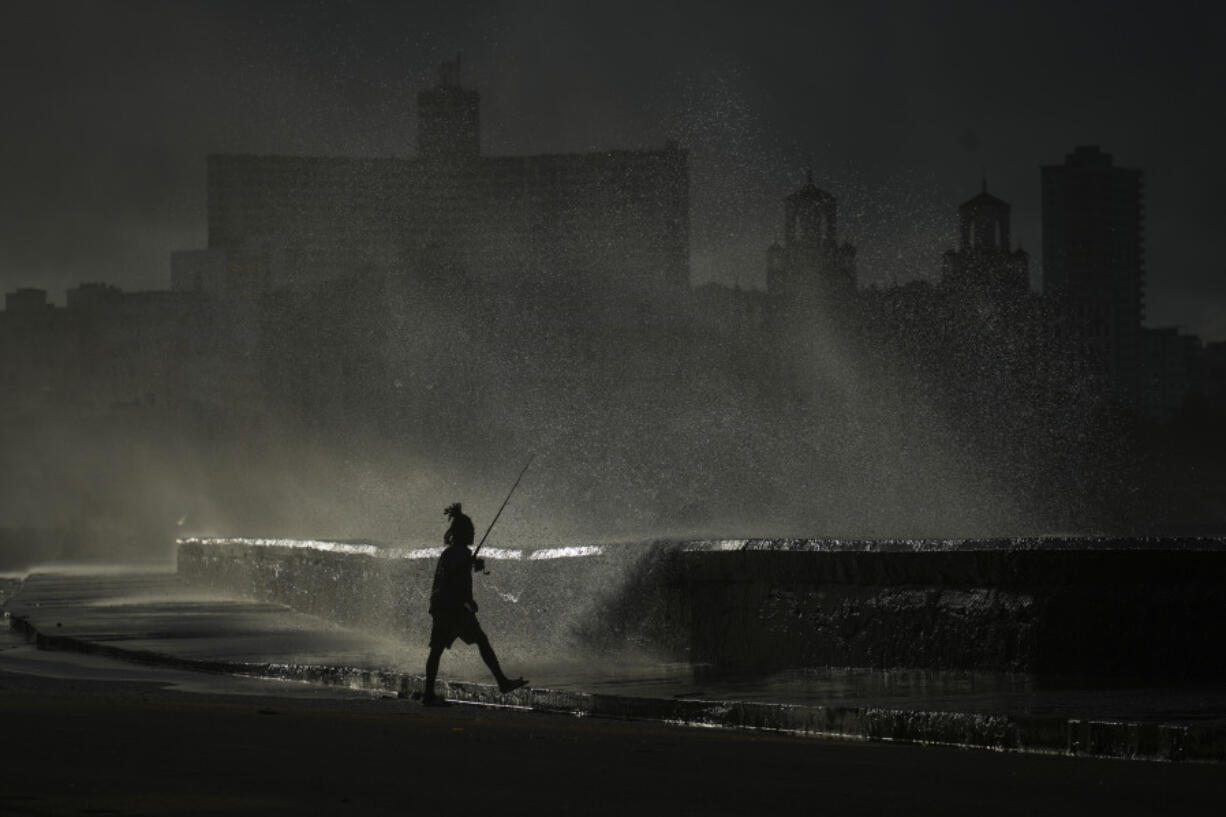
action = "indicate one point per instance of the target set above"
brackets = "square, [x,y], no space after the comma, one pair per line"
[153,616]
[101,747]
[153,612]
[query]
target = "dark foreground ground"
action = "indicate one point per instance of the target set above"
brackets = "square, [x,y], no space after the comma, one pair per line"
[81,745]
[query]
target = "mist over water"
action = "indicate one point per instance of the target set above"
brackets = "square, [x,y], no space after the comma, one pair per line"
[359,406]
[640,430]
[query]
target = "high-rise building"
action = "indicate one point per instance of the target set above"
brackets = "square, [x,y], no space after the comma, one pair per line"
[984,267]
[1094,259]
[599,233]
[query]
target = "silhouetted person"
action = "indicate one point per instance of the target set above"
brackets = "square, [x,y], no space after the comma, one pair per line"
[453,608]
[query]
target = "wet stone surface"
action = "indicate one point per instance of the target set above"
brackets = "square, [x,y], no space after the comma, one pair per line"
[158,618]
[1054,607]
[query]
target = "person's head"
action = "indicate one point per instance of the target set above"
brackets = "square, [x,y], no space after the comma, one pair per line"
[452,510]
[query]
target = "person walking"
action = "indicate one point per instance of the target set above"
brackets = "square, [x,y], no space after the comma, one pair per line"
[453,608]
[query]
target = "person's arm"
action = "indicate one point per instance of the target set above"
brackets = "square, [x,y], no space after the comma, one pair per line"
[467,572]
[457,577]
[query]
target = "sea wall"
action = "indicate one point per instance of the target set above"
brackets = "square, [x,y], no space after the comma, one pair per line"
[1085,607]
[547,601]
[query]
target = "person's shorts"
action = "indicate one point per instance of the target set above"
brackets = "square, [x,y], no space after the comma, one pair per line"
[452,624]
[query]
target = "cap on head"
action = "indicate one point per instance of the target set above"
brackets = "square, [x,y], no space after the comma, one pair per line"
[452,509]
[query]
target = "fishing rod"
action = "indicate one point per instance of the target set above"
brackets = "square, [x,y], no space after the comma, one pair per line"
[504,504]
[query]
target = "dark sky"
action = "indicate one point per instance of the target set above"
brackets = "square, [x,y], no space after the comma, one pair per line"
[110,109]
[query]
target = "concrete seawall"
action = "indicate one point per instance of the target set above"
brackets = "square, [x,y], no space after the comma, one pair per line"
[1095,608]
[158,618]
[545,602]
[1084,607]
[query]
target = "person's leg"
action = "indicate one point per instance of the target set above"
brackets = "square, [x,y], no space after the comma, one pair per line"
[505,684]
[490,659]
[432,671]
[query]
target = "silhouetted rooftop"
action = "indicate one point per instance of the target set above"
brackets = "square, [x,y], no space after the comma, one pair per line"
[984,199]
[810,191]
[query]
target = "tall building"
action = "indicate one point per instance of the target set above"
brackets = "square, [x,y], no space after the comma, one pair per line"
[811,268]
[603,232]
[1094,259]
[984,268]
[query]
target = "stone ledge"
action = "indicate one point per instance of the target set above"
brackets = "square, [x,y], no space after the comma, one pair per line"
[1043,735]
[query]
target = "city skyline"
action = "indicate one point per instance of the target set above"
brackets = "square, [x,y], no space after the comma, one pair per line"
[142,93]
